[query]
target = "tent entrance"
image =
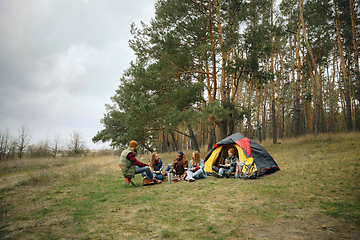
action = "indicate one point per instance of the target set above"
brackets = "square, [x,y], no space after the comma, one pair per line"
[219,155]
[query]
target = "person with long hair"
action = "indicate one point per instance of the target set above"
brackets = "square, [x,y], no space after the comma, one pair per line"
[156,166]
[196,168]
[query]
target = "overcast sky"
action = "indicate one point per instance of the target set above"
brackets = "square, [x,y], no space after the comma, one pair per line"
[60,62]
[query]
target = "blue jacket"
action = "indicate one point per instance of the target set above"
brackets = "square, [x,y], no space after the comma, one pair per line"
[158,166]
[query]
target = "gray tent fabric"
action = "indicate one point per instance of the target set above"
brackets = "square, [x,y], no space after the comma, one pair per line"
[263,160]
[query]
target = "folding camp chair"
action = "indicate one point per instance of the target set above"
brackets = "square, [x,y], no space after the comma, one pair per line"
[128,180]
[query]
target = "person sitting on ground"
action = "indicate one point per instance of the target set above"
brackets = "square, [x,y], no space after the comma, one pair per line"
[167,169]
[230,164]
[196,168]
[131,166]
[156,166]
[179,165]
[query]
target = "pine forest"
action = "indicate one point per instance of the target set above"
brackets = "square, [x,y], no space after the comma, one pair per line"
[205,69]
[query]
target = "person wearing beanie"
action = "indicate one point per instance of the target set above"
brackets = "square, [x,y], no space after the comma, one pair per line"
[230,164]
[133,144]
[179,165]
[131,166]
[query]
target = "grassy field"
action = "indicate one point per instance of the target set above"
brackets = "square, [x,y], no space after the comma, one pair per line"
[316,195]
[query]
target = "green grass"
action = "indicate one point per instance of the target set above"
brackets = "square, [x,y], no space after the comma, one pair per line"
[314,196]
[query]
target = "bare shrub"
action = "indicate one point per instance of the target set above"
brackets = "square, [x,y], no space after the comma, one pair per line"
[76,145]
[56,146]
[8,145]
[39,150]
[24,139]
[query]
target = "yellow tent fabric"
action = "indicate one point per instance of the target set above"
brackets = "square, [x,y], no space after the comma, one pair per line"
[220,153]
[213,157]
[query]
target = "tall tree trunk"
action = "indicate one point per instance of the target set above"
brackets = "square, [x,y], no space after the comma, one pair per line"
[223,128]
[281,100]
[316,116]
[223,53]
[212,139]
[175,143]
[212,97]
[223,86]
[193,138]
[348,119]
[213,54]
[201,134]
[259,134]
[356,58]
[164,141]
[297,109]
[231,124]
[274,121]
[283,118]
[291,127]
[272,84]
[257,97]
[332,96]
[321,105]
[259,106]
[249,128]
[314,75]
[263,128]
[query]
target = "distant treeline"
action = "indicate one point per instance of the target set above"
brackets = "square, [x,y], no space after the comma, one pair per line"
[18,147]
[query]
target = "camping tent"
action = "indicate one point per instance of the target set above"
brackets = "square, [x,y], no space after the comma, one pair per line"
[257,160]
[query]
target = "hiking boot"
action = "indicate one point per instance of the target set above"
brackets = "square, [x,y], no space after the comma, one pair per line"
[226,174]
[157,181]
[220,176]
[147,181]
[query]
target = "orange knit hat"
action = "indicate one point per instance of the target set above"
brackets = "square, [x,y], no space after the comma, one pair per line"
[232,150]
[133,143]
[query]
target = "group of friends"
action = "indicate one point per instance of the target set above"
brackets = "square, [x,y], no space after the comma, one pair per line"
[154,173]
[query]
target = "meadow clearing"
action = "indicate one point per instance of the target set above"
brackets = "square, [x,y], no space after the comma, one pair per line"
[315,195]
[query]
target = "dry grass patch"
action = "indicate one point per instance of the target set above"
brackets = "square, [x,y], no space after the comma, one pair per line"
[314,196]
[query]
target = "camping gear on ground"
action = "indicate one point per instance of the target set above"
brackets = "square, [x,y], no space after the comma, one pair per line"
[239,167]
[170,177]
[215,168]
[256,161]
